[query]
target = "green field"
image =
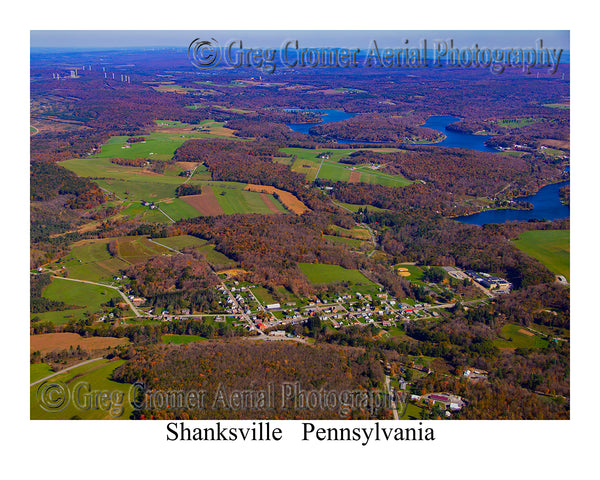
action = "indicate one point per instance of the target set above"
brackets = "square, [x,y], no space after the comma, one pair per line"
[416,273]
[334,171]
[374,177]
[37,371]
[138,249]
[103,168]
[354,232]
[306,162]
[132,185]
[557,105]
[263,295]
[177,209]
[158,146]
[412,412]
[137,211]
[243,201]
[216,258]
[84,295]
[139,189]
[515,338]
[551,247]
[81,383]
[92,261]
[516,122]
[181,241]
[323,273]
[351,242]
[179,339]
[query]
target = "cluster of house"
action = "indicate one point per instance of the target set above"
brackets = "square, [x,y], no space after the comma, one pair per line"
[453,402]
[149,204]
[475,375]
[489,281]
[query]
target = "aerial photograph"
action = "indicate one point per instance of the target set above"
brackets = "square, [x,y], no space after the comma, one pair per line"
[300,225]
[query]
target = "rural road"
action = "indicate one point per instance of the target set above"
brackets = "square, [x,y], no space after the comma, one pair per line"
[65,370]
[162,211]
[393,402]
[131,305]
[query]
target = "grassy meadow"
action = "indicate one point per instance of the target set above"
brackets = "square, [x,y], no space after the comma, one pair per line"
[551,247]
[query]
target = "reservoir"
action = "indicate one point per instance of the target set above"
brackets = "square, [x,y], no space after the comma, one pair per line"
[436,122]
[327,115]
[456,139]
[546,206]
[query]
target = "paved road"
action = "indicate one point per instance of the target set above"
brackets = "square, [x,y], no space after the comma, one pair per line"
[320,165]
[389,392]
[131,305]
[65,370]
[162,211]
[112,193]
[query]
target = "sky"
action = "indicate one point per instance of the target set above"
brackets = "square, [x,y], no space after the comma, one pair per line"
[82,39]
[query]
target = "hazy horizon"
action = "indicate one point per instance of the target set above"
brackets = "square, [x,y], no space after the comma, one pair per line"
[77,40]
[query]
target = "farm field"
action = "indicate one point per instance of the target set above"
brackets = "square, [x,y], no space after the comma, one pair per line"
[352,242]
[518,337]
[90,260]
[138,249]
[354,232]
[48,342]
[215,258]
[263,295]
[95,375]
[94,167]
[178,209]
[139,189]
[181,241]
[84,295]
[286,198]
[306,161]
[137,211]
[220,198]
[323,273]
[38,371]
[244,201]
[516,122]
[551,247]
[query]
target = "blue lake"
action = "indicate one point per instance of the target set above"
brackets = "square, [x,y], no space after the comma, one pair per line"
[546,206]
[456,139]
[328,116]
